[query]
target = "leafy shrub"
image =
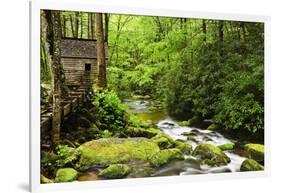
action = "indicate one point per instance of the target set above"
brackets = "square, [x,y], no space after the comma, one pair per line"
[111,111]
[104,134]
[66,155]
[241,104]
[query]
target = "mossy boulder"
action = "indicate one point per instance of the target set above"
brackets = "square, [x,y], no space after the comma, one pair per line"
[104,152]
[165,156]
[193,121]
[66,175]
[213,127]
[183,146]
[164,141]
[251,165]
[45,180]
[115,171]
[255,151]
[184,123]
[191,137]
[142,132]
[227,146]
[211,155]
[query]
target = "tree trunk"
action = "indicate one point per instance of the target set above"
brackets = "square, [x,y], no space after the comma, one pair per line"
[64,26]
[76,24]
[81,36]
[101,82]
[72,26]
[106,20]
[204,29]
[221,25]
[92,25]
[221,37]
[56,77]
[89,26]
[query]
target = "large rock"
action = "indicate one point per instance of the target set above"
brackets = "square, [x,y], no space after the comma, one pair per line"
[255,151]
[66,175]
[142,132]
[251,165]
[184,123]
[45,180]
[183,146]
[115,171]
[104,152]
[165,156]
[227,146]
[211,155]
[164,141]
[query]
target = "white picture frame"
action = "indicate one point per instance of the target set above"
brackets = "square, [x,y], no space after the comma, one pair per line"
[36,6]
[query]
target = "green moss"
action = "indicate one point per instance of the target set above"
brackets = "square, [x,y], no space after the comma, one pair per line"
[255,151]
[104,152]
[193,120]
[115,171]
[184,147]
[184,123]
[141,132]
[210,152]
[191,137]
[165,156]
[227,146]
[137,97]
[136,121]
[251,165]
[213,127]
[164,141]
[209,162]
[66,175]
[45,180]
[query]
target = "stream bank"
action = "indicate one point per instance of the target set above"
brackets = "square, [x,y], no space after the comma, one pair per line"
[162,148]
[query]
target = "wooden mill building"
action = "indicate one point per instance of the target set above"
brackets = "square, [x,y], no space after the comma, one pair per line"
[79,60]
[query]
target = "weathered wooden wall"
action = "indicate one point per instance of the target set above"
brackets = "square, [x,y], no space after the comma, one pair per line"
[75,72]
[75,53]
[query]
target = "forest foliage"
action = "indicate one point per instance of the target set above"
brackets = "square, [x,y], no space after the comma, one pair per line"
[203,69]
[197,68]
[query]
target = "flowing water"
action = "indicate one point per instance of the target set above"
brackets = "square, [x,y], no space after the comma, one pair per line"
[141,108]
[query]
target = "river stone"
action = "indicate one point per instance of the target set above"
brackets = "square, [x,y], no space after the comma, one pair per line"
[184,123]
[183,146]
[66,175]
[165,156]
[227,146]
[141,132]
[213,127]
[104,152]
[255,151]
[115,171]
[251,165]
[88,176]
[140,169]
[164,141]
[45,180]
[211,155]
